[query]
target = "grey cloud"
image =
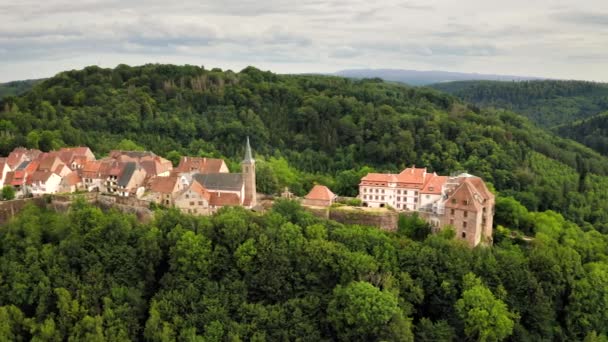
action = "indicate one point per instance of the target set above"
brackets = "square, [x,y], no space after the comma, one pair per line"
[583,18]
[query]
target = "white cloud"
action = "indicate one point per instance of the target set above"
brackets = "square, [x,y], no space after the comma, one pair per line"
[553,38]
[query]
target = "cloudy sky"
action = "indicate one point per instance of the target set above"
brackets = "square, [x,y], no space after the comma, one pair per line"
[547,38]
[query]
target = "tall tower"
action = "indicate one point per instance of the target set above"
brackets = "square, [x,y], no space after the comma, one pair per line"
[248,167]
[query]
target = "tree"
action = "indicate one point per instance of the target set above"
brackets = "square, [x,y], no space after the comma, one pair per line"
[510,213]
[485,317]
[361,311]
[128,145]
[174,156]
[8,193]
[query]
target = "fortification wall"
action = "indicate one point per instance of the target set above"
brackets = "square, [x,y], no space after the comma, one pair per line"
[383,219]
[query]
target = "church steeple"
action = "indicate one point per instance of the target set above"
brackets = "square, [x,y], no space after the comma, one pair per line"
[248,167]
[248,157]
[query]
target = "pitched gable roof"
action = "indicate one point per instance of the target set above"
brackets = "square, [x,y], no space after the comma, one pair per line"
[165,185]
[200,165]
[127,172]
[434,184]
[72,178]
[220,181]
[320,192]
[219,199]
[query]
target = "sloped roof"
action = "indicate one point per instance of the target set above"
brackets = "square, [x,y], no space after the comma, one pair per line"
[127,172]
[224,199]
[471,194]
[132,154]
[165,185]
[220,181]
[40,176]
[320,192]
[72,178]
[434,184]
[412,175]
[199,189]
[48,162]
[200,164]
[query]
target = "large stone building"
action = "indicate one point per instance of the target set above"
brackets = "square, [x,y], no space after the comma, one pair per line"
[461,201]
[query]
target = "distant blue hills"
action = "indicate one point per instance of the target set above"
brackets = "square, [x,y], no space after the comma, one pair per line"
[421,78]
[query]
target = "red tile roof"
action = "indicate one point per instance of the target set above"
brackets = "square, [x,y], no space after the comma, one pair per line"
[72,178]
[199,189]
[412,175]
[165,185]
[320,192]
[434,184]
[201,165]
[221,199]
[39,176]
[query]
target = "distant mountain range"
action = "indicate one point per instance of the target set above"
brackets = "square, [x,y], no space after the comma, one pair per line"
[421,78]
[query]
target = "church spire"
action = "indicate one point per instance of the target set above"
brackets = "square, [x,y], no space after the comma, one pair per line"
[248,157]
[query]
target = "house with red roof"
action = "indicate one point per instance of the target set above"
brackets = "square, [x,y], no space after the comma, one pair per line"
[319,196]
[400,191]
[71,182]
[44,182]
[469,209]
[163,190]
[195,200]
[462,202]
[201,165]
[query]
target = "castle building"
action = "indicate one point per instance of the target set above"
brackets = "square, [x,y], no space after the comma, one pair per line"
[462,201]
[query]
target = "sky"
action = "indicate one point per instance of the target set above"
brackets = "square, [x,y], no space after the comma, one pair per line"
[545,38]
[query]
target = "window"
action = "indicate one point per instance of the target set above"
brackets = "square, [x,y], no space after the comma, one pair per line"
[415,200]
[454,200]
[398,198]
[399,192]
[382,190]
[383,198]
[415,193]
[187,196]
[195,211]
[464,235]
[376,197]
[376,190]
[192,203]
[364,189]
[189,211]
[464,225]
[200,202]
[466,213]
[428,196]
[452,211]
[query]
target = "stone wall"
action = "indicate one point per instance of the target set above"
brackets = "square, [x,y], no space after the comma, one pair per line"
[383,219]
[8,209]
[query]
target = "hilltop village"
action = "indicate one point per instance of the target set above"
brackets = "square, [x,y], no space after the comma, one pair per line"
[200,186]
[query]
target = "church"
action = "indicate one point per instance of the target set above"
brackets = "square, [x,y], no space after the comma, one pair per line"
[201,186]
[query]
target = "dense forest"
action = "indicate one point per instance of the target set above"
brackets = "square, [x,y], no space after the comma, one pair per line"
[592,132]
[307,129]
[89,275]
[16,87]
[285,275]
[547,103]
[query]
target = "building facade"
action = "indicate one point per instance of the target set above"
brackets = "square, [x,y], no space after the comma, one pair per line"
[462,201]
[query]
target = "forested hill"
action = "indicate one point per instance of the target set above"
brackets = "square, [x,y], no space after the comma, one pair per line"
[548,103]
[307,129]
[592,131]
[88,275]
[16,87]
